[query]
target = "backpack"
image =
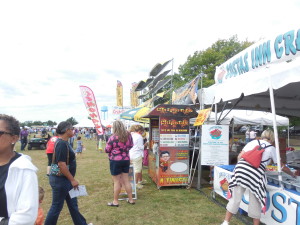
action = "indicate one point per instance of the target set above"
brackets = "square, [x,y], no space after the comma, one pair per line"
[254,156]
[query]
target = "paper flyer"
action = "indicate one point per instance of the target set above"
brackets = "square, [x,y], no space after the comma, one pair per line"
[81,191]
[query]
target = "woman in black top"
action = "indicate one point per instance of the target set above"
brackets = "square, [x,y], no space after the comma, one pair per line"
[64,156]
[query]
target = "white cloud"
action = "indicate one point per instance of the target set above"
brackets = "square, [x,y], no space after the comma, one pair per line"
[49,48]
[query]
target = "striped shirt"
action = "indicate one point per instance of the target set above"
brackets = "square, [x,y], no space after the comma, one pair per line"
[252,178]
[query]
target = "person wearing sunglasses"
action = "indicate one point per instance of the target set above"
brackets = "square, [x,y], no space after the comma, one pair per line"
[19,195]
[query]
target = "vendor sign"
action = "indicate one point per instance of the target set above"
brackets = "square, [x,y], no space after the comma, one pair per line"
[215,145]
[283,206]
[284,47]
[91,106]
[202,116]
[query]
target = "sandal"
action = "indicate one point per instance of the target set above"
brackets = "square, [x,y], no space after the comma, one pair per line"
[112,204]
[131,203]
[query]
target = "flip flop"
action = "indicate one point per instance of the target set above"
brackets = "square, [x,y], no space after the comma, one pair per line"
[131,203]
[112,204]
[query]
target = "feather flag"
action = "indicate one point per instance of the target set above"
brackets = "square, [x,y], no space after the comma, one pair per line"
[119,94]
[91,106]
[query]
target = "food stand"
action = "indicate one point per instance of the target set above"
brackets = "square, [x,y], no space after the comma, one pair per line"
[265,77]
[169,144]
[283,205]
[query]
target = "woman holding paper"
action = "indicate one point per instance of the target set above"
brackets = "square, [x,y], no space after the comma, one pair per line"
[64,157]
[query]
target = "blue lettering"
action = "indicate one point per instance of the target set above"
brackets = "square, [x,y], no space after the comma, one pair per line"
[278,50]
[297,41]
[279,207]
[241,66]
[246,62]
[228,75]
[288,44]
[266,52]
[258,56]
[252,59]
[291,200]
[235,63]
[244,200]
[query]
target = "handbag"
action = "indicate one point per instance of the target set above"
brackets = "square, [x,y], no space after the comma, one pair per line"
[55,170]
[254,156]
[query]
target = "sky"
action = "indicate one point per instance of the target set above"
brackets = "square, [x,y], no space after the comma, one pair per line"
[49,48]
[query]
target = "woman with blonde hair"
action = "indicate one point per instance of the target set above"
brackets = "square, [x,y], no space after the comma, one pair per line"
[117,147]
[245,176]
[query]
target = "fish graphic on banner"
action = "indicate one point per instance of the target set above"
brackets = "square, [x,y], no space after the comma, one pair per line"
[91,106]
[119,94]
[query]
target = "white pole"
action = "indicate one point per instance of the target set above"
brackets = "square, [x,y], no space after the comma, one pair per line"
[288,131]
[275,129]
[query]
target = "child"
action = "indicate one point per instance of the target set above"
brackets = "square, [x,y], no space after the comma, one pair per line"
[79,146]
[40,218]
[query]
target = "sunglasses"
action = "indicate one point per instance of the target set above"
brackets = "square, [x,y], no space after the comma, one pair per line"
[4,132]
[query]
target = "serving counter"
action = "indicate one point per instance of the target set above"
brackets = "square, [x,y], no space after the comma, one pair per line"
[283,205]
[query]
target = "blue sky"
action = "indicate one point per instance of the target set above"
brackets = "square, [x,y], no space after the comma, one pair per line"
[49,48]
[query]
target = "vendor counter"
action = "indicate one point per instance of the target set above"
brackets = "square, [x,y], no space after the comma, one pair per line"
[283,205]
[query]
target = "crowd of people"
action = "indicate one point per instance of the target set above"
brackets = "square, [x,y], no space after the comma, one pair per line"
[20,195]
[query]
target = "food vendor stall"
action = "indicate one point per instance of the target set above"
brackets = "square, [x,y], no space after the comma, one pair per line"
[169,144]
[265,77]
[283,204]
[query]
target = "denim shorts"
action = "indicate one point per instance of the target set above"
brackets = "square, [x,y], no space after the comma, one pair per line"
[118,167]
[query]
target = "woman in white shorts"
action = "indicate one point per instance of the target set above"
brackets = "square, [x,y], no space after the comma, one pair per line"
[247,177]
[136,153]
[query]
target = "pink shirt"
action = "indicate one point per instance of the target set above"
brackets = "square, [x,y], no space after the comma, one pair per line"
[118,150]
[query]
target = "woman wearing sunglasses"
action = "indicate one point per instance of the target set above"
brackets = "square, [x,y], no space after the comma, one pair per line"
[18,180]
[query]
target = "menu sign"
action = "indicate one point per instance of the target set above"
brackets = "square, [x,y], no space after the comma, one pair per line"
[215,145]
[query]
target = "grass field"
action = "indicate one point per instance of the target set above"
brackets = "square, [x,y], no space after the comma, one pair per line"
[170,205]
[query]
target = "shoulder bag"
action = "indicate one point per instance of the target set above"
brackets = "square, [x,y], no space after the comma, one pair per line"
[55,170]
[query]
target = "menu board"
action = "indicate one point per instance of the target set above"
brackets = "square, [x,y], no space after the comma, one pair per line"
[174,140]
[215,145]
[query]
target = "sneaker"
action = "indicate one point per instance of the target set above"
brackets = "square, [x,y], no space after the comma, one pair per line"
[90,224]
[225,223]
[139,186]
[143,182]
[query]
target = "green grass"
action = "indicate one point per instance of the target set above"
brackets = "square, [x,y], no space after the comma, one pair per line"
[170,205]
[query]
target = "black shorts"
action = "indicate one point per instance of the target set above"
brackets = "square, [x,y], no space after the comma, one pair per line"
[118,167]
[49,155]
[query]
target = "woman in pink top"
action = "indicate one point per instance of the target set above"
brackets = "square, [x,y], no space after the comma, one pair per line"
[117,147]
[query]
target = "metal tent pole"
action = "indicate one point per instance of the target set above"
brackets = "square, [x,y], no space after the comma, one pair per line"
[275,129]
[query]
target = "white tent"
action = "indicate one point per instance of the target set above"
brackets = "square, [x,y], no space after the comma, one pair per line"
[265,77]
[85,123]
[248,117]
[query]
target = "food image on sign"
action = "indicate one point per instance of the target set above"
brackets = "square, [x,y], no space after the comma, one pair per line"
[178,167]
[224,186]
[215,133]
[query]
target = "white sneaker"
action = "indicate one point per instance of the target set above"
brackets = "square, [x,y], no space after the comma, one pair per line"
[90,224]
[139,186]
[225,223]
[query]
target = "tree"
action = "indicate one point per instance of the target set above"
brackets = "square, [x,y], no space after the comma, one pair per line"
[207,60]
[72,121]
[51,123]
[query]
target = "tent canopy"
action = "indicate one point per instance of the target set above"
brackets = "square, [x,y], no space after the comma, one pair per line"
[85,123]
[269,63]
[248,117]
